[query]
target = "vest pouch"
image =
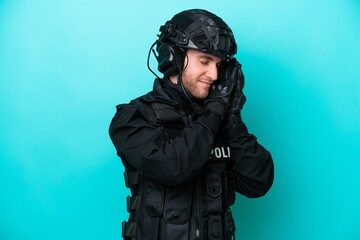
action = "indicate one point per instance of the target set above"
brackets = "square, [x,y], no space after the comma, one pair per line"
[214,205]
[154,202]
[178,201]
[214,187]
[230,188]
[154,205]
[214,192]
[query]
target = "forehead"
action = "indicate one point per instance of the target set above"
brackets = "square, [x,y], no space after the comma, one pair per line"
[198,54]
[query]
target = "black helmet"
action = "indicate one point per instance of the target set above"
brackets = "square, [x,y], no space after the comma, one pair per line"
[201,30]
[196,29]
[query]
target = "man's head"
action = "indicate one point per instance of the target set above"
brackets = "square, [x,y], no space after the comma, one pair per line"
[193,44]
[193,29]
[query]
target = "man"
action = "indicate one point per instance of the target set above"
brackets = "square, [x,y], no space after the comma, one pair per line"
[184,147]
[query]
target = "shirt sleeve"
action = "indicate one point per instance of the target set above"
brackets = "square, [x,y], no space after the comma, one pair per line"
[253,164]
[143,146]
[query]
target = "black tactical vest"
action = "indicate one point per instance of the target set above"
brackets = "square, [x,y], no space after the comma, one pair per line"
[198,209]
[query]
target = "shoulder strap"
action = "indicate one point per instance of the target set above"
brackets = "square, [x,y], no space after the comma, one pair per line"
[160,114]
[146,110]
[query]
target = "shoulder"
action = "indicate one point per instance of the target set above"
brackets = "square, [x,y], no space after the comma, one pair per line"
[135,104]
[139,109]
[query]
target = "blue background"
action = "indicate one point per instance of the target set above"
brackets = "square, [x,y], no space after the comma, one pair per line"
[64,65]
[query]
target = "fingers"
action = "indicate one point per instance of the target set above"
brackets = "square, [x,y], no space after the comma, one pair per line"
[240,78]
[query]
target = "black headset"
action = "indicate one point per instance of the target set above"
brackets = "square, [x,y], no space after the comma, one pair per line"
[170,56]
[170,59]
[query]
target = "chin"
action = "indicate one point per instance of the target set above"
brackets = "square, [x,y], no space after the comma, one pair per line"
[202,96]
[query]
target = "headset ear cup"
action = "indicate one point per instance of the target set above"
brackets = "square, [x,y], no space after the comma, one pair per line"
[170,59]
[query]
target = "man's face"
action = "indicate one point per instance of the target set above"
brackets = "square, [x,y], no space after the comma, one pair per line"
[201,70]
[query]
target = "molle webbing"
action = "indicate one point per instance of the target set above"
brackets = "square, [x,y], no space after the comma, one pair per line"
[129,230]
[132,178]
[133,203]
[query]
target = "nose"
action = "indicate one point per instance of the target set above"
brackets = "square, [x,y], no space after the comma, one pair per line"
[212,72]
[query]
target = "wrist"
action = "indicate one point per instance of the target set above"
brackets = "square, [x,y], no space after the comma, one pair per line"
[232,120]
[237,133]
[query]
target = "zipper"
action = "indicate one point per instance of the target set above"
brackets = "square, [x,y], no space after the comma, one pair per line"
[198,226]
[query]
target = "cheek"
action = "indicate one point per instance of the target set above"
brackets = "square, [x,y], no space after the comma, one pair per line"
[192,72]
[187,76]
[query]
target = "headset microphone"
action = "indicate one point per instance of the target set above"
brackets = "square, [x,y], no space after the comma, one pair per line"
[148,58]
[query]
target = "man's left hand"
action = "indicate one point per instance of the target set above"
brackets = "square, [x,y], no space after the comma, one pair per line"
[238,99]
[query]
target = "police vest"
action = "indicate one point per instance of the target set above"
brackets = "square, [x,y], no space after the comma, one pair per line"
[198,209]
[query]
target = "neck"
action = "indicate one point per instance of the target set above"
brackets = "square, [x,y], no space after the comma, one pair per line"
[178,94]
[175,92]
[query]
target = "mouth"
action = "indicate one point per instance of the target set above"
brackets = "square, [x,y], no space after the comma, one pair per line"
[206,84]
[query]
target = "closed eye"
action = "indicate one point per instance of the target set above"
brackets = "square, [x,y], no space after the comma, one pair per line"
[204,62]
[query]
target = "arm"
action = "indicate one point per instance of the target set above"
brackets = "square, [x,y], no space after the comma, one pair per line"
[142,145]
[253,164]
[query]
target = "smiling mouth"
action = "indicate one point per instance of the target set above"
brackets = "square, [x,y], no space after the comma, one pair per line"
[207,84]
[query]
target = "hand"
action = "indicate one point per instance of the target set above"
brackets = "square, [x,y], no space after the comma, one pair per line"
[238,98]
[221,92]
